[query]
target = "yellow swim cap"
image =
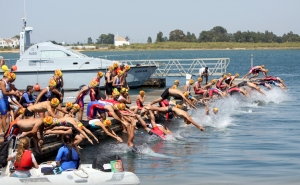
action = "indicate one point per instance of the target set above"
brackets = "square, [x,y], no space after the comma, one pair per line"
[58,72]
[120,73]
[127,68]
[224,76]
[178,106]
[237,75]
[76,107]
[48,120]
[213,81]
[100,74]
[176,82]
[80,125]
[215,109]
[174,87]
[54,102]
[121,106]
[123,90]
[229,74]
[52,83]
[107,123]
[69,105]
[267,70]
[110,67]
[199,79]
[13,76]
[186,94]
[7,74]
[263,66]
[115,93]
[93,83]
[191,81]
[115,65]
[142,92]
[22,110]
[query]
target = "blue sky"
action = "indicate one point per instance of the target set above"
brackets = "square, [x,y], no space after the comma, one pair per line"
[76,20]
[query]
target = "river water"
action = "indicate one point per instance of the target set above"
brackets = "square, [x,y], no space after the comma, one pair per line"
[246,143]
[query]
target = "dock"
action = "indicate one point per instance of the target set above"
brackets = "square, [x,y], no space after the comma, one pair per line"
[52,142]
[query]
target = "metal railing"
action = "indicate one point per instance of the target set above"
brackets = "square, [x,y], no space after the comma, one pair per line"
[181,67]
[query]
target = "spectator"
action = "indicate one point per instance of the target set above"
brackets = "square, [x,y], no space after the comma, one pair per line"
[204,72]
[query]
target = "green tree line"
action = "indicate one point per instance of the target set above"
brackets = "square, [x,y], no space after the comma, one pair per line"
[220,34]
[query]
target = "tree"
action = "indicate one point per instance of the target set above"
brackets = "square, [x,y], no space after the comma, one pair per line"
[90,41]
[106,39]
[159,37]
[177,35]
[16,37]
[205,36]
[149,41]
[219,34]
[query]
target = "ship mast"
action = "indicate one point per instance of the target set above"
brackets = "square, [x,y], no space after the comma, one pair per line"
[25,34]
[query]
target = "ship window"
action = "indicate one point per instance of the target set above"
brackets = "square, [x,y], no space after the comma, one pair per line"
[53,54]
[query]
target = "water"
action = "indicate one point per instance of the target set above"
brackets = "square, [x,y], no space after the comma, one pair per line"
[245,143]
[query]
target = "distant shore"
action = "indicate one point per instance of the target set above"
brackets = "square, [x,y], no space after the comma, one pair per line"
[189,46]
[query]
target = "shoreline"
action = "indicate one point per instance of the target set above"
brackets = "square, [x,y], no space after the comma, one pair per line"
[162,49]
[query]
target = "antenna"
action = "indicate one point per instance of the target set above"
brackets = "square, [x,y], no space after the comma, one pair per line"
[24,9]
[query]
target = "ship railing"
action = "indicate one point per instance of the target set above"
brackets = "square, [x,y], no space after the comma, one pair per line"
[182,67]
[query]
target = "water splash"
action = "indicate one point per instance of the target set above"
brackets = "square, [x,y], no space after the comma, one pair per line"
[146,150]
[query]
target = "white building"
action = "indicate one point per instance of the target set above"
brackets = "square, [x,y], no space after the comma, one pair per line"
[119,41]
[9,42]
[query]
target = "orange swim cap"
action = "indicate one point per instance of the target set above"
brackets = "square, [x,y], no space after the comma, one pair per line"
[127,68]
[186,94]
[213,81]
[110,67]
[176,82]
[13,76]
[7,74]
[76,107]
[58,72]
[22,110]
[48,120]
[100,74]
[199,79]
[120,73]
[93,83]
[54,102]
[142,92]
[115,65]
[115,93]
[178,106]
[80,125]
[191,81]
[52,83]
[107,123]
[123,90]
[121,106]
[69,105]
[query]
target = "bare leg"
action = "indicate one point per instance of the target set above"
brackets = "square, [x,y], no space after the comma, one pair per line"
[252,85]
[80,113]
[156,101]
[78,138]
[130,129]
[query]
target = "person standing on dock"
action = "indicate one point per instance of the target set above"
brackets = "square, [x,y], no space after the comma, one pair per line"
[109,82]
[204,72]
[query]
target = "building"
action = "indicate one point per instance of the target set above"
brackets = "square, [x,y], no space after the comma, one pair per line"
[120,41]
[9,42]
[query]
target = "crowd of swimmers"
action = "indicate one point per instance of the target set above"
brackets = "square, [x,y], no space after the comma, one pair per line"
[26,116]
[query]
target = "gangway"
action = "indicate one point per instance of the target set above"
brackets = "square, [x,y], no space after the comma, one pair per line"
[181,67]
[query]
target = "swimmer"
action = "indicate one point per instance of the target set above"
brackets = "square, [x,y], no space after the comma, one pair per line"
[219,84]
[198,89]
[254,71]
[49,106]
[180,113]
[172,92]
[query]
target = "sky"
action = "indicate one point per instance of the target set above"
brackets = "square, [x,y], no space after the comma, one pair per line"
[74,21]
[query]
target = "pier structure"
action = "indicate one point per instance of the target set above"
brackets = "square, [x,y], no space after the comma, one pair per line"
[182,67]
